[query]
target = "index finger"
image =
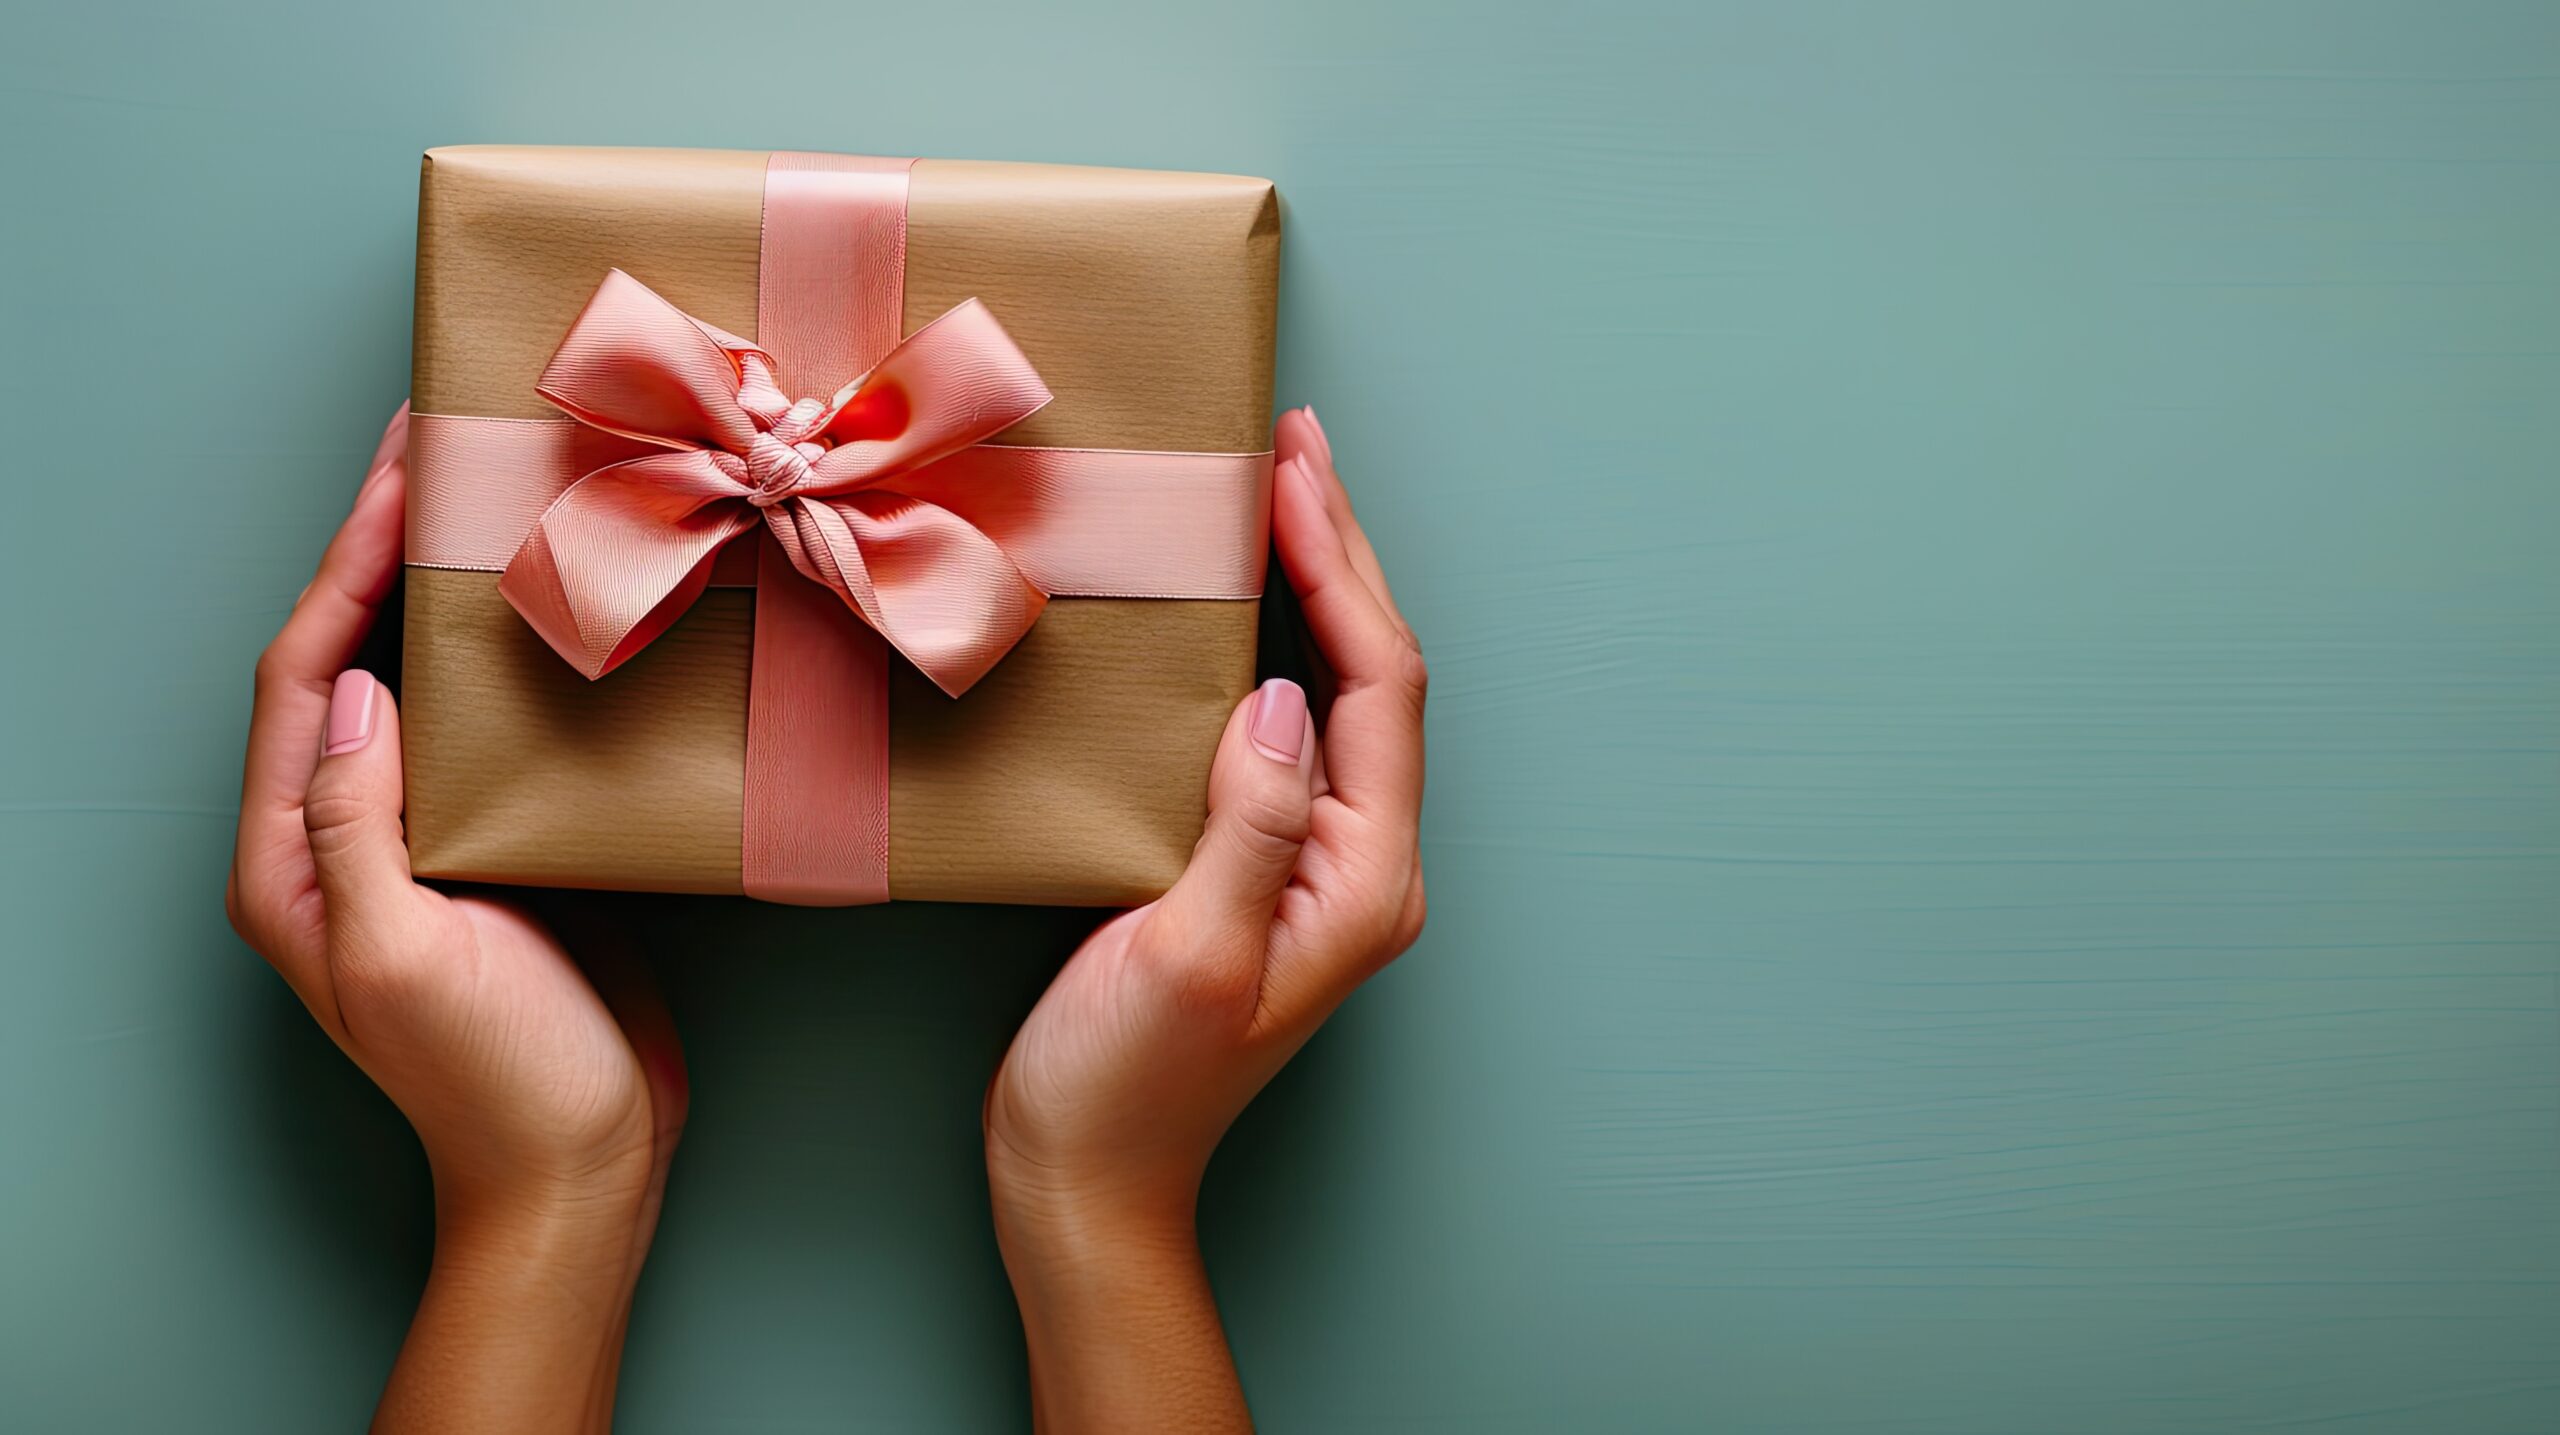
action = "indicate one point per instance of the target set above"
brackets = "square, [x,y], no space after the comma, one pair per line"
[1373,735]
[1298,435]
[319,638]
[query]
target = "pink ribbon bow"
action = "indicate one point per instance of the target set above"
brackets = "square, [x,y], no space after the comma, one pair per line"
[620,555]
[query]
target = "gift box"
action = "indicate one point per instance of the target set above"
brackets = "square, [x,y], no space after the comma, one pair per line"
[830,529]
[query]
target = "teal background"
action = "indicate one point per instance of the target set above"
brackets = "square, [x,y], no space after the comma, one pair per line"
[1997,723]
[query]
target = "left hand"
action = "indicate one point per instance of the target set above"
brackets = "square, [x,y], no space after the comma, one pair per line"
[549,1104]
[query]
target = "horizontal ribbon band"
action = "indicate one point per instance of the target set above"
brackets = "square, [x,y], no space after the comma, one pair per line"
[1090,523]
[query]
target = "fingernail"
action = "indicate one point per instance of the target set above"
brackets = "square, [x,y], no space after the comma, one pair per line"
[1278,727]
[393,447]
[1303,466]
[1299,469]
[1323,444]
[374,476]
[350,713]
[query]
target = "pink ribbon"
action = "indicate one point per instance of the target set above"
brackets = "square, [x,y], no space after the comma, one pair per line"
[1078,522]
[883,514]
[618,558]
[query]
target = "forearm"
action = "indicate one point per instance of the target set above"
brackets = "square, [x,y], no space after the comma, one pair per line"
[521,1324]
[1122,1328]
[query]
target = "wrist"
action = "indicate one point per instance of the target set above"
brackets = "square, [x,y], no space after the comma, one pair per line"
[1052,1239]
[587,1229]
[521,1323]
[1057,1213]
[1117,1314]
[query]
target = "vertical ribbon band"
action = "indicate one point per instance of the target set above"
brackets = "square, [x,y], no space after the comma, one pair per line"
[830,303]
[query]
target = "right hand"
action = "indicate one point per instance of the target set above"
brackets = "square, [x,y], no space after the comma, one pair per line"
[1168,1020]
[1306,881]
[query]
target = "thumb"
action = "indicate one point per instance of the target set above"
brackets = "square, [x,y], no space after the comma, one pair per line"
[1259,793]
[352,813]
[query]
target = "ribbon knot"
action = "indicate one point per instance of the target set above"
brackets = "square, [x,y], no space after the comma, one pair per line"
[620,555]
[774,467]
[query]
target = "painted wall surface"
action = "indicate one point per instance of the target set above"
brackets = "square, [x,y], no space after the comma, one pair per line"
[1995,827]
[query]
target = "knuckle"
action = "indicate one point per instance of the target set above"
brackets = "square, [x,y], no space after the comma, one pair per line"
[1379,925]
[1413,673]
[254,916]
[270,671]
[1409,921]
[1379,915]
[1272,823]
[335,821]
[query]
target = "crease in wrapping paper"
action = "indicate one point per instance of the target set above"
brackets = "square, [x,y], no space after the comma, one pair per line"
[1075,772]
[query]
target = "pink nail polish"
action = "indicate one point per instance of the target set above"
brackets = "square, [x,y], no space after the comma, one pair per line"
[350,713]
[1323,445]
[1278,727]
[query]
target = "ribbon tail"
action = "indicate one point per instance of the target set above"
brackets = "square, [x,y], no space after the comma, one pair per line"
[943,594]
[615,560]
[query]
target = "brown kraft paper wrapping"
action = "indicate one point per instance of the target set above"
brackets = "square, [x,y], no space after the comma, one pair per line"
[1076,771]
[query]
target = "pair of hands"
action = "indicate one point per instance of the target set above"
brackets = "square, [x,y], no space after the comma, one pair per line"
[547,1085]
